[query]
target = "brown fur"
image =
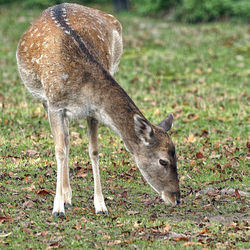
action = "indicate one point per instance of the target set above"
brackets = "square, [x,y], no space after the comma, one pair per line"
[66,59]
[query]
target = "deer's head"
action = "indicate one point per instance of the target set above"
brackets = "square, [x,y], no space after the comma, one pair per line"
[156,158]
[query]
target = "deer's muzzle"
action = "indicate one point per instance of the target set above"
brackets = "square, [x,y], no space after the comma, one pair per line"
[171,198]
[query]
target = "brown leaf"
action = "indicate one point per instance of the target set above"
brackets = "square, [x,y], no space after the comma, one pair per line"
[237,194]
[132,212]
[45,191]
[82,173]
[227,44]
[5,219]
[191,243]
[199,155]
[30,188]
[27,179]
[204,230]
[54,245]
[44,233]
[180,239]
[166,229]
[28,204]
[77,226]
[32,152]
[114,242]
[191,138]
[124,194]
[106,237]
[40,179]
[26,230]
[193,117]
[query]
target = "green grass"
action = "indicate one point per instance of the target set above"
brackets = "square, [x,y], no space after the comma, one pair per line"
[198,72]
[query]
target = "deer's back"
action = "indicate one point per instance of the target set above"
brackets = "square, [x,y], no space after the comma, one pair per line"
[64,49]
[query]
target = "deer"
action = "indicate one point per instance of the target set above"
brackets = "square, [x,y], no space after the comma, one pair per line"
[66,59]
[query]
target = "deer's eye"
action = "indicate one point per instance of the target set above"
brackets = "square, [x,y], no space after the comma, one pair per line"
[163,163]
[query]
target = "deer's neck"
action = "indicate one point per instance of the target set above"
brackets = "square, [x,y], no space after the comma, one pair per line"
[117,111]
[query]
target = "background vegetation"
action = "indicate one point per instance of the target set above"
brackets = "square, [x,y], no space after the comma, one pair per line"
[191,11]
[198,72]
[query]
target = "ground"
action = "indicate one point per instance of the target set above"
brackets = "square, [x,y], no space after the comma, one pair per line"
[200,73]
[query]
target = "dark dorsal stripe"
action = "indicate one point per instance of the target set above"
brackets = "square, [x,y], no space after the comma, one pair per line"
[58,14]
[60,17]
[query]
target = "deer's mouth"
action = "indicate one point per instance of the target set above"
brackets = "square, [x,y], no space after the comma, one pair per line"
[171,198]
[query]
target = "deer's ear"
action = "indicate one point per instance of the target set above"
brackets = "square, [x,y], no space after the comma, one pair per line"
[143,130]
[167,123]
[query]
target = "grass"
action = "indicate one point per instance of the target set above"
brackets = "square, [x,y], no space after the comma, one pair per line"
[198,72]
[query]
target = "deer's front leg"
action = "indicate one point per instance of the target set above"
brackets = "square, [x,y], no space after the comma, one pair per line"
[67,192]
[100,207]
[59,128]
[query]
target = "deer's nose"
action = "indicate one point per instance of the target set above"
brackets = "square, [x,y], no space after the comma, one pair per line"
[178,201]
[178,198]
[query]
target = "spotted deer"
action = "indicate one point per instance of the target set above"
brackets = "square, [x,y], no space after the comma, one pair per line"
[66,59]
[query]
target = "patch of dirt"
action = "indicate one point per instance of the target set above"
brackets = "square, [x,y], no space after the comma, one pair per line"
[228,218]
[224,191]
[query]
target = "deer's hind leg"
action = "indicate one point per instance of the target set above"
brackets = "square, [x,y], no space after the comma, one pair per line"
[60,131]
[100,207]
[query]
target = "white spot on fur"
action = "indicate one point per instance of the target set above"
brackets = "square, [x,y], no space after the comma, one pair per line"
[38,59]
[64,76]
[101,38]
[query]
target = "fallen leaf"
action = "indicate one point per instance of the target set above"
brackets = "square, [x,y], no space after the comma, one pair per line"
[45,191]
[77,226]
[132,212]
[114,242]
[26,230]
[75,134]
[204,230]
[27,179]
[106,237]
[191,243]
[30,188]
[237,194]
[53,245]
[166,229]
[192,117]
[40,179]
[191,138]
[199,155]
[5,219]
[31,152]
[157,111]
[28,204]
[82,173]
[2,235]
[180,239]
[44,233]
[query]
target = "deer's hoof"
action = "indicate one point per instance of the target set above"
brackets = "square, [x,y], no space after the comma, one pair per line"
[67,205]
[60,214]
[102,212]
